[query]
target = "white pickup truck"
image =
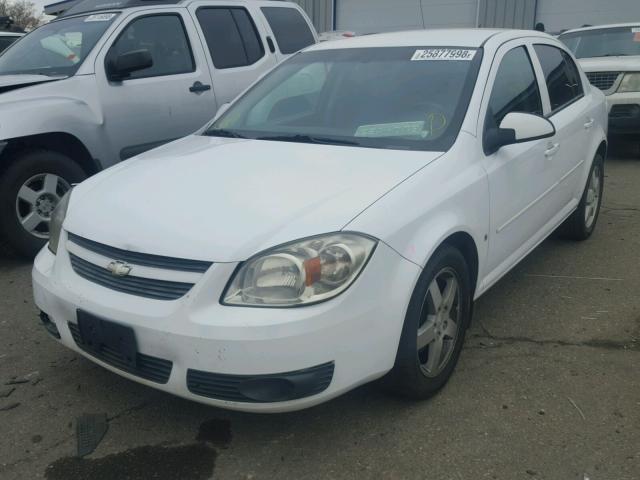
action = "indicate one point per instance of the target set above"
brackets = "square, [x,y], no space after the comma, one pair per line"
[107,81]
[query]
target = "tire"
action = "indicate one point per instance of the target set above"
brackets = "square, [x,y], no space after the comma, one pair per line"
[47,175]
[581,224]
[417,373]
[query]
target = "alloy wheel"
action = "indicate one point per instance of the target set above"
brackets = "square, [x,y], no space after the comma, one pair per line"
[439,323]
[593,197]
[36,200]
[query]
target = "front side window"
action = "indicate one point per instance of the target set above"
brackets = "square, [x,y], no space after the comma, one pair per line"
[290,28]
[604,42]
[370,97]
[166,40]
[561,76]
[6,41]
[57,48]
[231,37]
[515,88]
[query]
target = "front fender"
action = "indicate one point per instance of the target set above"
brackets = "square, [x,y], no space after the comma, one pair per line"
[48,108]
[448,196]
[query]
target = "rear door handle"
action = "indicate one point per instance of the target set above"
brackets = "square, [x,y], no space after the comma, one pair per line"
[198,87]
[552,148]
[589,123]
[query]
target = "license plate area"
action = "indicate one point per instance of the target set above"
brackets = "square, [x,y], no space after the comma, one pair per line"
[106,338]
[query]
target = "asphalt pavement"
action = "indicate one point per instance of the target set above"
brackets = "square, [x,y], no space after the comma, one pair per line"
[548,387]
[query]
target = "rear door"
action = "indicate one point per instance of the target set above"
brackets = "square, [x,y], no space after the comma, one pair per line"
[169,100]
[290,27]
[569,110]
[236,47]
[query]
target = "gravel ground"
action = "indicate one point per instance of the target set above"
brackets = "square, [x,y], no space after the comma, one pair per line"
[546,388]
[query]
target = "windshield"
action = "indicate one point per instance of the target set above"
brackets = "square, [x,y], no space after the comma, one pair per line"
[604,42]
[399,97]
[57,48]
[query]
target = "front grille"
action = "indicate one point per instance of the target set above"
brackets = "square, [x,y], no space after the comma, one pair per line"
[142,259]
[142,287]
[624,111]
[603,80]
[304,383]
[150,368]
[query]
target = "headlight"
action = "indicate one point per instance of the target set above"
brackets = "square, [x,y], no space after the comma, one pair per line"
[630,83]
[300,273]
[57,217]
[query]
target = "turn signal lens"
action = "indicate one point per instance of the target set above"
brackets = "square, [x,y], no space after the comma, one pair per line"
[300,273]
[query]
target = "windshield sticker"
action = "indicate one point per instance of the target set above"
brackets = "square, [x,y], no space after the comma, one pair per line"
[399,129]
[465,54]
[100,17]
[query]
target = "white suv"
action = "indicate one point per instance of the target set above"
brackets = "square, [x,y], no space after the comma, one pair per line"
[610,56]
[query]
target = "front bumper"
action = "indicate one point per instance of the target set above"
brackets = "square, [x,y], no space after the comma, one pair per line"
[624,113]
[349,340]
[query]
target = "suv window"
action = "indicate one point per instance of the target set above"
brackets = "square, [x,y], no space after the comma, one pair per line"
[164,37]
[561,75]
[231,36]
[515,88]
[290,28]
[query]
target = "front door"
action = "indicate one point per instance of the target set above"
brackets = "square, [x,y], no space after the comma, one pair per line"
[169,100]
[521,176]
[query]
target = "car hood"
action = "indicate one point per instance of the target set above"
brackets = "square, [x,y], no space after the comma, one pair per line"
[12,82]
[610,64]
[224,200]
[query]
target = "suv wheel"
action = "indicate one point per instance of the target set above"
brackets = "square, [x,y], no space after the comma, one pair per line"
[434,327]
[30,188]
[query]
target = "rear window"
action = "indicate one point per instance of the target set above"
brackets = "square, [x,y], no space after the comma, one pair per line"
[291,30]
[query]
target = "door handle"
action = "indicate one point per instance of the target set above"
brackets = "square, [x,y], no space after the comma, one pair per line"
[589,123]
[198,87]
[552,148]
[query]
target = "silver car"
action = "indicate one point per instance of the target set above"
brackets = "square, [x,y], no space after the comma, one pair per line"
[100,85]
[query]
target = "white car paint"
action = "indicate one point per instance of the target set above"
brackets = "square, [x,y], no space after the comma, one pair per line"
[225,200]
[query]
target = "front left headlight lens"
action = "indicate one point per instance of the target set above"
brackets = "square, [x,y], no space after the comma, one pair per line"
[300,273]
[630,83]
[57,218]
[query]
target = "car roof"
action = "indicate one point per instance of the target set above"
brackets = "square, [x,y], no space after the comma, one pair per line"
[445,37]
[602,27]
[91,6]
[11,34]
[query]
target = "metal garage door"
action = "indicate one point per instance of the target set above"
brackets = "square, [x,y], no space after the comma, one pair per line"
[560,15]
[367,16]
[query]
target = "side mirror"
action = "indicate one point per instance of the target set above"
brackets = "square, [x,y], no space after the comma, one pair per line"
[223,108]
[517,127]
[125,64]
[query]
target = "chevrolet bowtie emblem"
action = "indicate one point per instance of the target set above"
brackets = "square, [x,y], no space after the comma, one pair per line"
[119,269]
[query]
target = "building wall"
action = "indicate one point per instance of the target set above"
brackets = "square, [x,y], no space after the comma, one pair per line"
[320,12]
[507,13]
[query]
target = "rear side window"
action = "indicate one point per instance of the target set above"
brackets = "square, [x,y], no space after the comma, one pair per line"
[165,38]
[515,88]
[561,75]
[290,28]
[231,37]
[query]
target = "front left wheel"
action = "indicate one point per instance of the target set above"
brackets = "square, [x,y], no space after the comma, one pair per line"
[30,189]
[434,329]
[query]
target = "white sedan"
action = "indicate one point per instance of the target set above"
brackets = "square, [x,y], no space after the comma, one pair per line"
[334,225]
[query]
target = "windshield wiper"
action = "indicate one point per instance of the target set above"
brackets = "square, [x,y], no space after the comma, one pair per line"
[309,139]
[221,132]
[615,55]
